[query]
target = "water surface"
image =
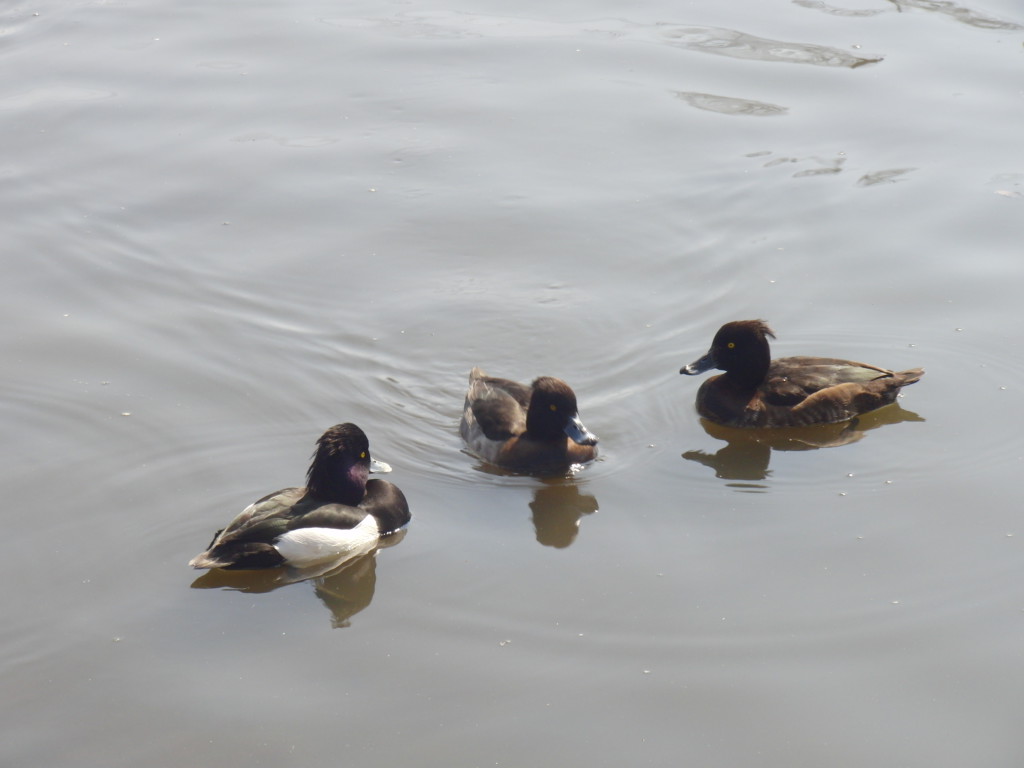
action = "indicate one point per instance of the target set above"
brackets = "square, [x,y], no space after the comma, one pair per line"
[228,228]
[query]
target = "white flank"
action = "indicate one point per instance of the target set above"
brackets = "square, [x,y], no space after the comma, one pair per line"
[308,546]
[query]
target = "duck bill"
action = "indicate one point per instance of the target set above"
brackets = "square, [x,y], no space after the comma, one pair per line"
[706,363]
[579,433]
[379,467]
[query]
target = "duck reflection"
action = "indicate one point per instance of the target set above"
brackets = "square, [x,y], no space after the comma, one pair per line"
[558,509]
[747,452]
[345,587]
[558,506]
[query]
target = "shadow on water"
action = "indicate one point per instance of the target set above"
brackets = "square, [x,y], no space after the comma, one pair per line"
[345,587]
[747,452]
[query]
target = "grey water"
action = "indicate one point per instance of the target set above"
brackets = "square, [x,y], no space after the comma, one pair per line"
[228,226]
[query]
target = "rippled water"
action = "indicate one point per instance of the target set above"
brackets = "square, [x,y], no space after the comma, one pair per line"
[229,227]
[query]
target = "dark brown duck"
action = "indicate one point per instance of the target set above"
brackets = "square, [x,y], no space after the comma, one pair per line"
[756,391]
[533,428]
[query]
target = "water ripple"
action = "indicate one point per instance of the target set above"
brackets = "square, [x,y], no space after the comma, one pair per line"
[955,11]
[729,105]
[739,45]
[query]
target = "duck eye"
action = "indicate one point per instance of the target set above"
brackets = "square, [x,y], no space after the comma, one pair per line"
[362,454]
[553,407]
[731,345]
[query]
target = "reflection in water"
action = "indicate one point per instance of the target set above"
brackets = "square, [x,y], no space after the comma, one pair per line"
[739,45]
[557,509]
[346,587]
[825,166]
[730,105]
[883,177]
[557,506]
[747,452]
[955,11]
[834,11]
[958,13]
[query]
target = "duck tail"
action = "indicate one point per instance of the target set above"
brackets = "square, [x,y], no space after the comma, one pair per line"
[910,376]
[208,560]
[244,555]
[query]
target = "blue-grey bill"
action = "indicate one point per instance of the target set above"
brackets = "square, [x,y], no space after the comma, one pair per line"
[706,363]
[579,433]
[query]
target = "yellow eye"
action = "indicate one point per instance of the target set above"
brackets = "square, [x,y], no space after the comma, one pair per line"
[731,345]
[553,407]
[362,455]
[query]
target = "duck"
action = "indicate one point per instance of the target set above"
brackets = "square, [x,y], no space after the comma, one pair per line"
[338,514]
[756,391]
[530,429]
